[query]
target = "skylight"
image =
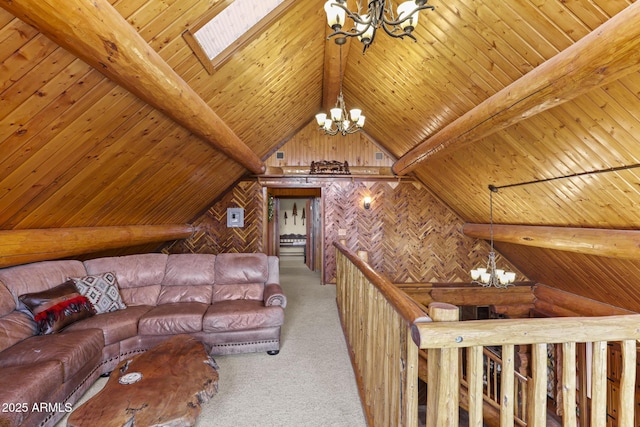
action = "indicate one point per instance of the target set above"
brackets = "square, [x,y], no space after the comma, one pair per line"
[229,26]
[233,22]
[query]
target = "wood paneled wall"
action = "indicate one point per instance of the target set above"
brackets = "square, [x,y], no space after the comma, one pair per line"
[212,234]
[312,145]
[409,234]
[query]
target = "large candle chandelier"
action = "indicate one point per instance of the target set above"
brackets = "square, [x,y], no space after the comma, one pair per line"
[379,15]
[344,123]
[492,276]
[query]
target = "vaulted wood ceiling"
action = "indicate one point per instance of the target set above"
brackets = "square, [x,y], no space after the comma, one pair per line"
[78,149]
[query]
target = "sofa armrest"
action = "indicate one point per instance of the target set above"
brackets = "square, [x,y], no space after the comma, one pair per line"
[273,295]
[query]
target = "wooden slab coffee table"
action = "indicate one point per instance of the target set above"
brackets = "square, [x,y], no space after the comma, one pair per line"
[164,386]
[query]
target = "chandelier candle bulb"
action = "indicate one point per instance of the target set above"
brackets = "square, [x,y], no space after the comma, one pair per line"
[408,10]
[335,15]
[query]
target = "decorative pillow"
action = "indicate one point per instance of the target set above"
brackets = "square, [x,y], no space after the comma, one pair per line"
[57,307]
[102,291]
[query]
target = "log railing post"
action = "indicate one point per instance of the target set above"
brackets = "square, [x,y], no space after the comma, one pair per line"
[443,379]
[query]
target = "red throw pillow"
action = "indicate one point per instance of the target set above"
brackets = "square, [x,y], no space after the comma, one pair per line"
[56,308]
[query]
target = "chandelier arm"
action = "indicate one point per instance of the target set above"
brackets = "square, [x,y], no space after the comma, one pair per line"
[392,33]
[351,33]
[354,16]
[399,21]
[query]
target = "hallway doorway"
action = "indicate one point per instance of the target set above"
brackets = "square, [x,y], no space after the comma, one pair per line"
[295,224]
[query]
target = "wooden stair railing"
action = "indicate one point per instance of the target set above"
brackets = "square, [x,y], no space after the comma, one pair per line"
[386,331]
[474,335]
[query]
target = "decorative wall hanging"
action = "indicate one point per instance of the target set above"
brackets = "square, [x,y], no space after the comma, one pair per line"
[303,216]
[330,167]
[285,217]
[294,213]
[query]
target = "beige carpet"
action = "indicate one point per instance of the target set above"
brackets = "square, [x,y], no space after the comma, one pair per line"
[310,383]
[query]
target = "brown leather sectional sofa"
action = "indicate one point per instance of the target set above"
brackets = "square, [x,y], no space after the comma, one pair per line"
[231,302]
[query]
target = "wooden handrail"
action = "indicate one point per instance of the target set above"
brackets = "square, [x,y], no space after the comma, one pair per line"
[528,331]
[407,307]
[386,360]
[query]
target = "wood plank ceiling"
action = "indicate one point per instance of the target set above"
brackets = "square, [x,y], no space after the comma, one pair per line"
[78,150]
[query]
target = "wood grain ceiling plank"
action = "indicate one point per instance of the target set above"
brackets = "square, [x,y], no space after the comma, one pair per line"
[532,28]
[23,60]
[25,88]
[562,17]
[126,8]
[5,18]
[109,157]
[588,13]
[42,127]
[146,75]
[467,43]
[13,35]
[53,158]
[45,92]
[585,65]
[611,7]
[502,45]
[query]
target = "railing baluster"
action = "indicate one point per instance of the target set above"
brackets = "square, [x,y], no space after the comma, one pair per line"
[476,402]
[628,384]
[507,383]
[538,409]
[386,330]
[599,384]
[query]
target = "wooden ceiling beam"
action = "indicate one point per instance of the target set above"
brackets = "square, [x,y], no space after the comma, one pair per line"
[96,33]
[606,54]
[592,241]
[24,246]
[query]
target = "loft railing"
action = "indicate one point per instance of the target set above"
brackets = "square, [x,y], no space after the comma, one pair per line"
[377,318]
[491,380]
[384,330]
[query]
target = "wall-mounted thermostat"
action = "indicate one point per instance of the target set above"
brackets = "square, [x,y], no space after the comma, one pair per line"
[235,217]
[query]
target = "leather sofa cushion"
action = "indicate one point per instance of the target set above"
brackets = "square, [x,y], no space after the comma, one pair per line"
[38,382]
[169,294]
[139,276]
[115,325]
[235,268]
[14,328]
[190,270]
[176,318]
[144,295]
[72,349]
[249,291]
[241,315]
[188,278]
[7,302]
[39,276]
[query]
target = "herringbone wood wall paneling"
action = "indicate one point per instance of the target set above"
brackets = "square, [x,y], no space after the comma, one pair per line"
[409,234]
[212,234]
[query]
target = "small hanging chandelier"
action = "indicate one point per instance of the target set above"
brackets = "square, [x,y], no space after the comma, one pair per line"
[379,15]
[492,276]
[344,123]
